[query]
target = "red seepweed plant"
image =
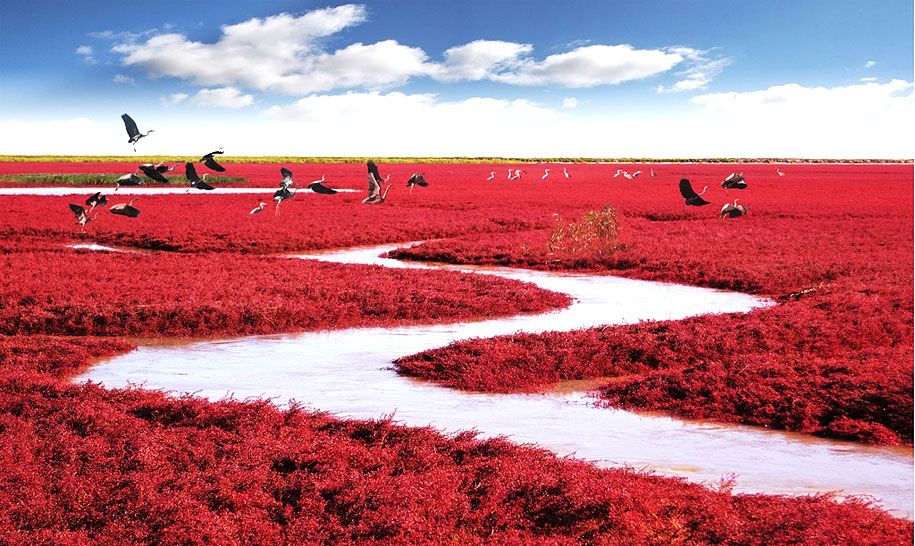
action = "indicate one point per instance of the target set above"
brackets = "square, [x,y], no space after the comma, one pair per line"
[83,464]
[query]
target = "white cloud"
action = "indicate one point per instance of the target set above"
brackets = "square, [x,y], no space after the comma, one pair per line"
[225,97]
[699,71]
[87,53]
[173,99]
[569,102]
[869,79]
[121,78]
[283,54]
[480,59]
[869,64]
[590,66]
[856,121]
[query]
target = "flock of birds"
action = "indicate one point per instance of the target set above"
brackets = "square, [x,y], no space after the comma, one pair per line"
[375,194]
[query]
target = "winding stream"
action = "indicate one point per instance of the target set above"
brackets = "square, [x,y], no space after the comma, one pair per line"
[347,372]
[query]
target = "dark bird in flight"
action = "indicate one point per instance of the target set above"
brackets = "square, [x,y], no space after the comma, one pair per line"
[287,178]
[211,163]
[733,211]
[692,198]
[97,200]
[152,171]
[195,181]
[375,195]
[128,180]
[125,209]
[317,187]
[417,180]
[132,131]
[82,217]
[734,181]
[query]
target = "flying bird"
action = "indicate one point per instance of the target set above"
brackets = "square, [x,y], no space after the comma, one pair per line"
[259,208]
[128,180]
[152,171]
[492,174]
[417,180]
[734,181]
[375,196]
[733,211]
[195,181]
[211,163]
[132,131]
[82,217]
[163,168]
[97,200]
[317,187]
[125,209]
[692,198]
[287,178]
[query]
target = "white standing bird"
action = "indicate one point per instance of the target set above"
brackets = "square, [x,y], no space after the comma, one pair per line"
[566,173]
[546,173]
[780,173]
[259,208]
[492,174]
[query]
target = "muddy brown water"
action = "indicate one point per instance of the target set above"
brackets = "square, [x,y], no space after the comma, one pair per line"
[347,372]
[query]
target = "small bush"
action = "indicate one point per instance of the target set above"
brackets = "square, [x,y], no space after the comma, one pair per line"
[595,234]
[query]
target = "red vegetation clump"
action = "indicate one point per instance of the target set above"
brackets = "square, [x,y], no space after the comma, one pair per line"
[81,465]
[67,291]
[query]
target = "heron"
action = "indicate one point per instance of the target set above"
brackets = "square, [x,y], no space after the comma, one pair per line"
[546,173]
[128,180]
[652,173]
[780,173]
[375,196]
[163,168]
[259,208]
[692,198]
[195,181]
[125,209]
[211,163]
[417,180]
[618,172]
[151,171]
[734,181]
[132,131]
[517,174]
[635,174]
[97,200]
[492,174]
[566,173]
[733,211]
[317,186]
[82,217]
[281,195]
[510,174]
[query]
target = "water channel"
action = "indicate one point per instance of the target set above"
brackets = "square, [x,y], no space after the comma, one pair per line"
[347,372]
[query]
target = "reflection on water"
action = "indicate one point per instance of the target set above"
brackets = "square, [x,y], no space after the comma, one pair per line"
[347,372]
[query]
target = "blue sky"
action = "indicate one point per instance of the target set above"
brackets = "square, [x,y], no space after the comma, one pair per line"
[463,78]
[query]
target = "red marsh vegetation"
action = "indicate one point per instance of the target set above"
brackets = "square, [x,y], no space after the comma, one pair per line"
[80,464]
[83,465]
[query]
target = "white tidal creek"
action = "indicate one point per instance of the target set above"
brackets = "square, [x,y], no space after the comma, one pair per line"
[347,373]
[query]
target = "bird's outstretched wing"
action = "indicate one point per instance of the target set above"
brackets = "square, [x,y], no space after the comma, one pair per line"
[287,177]
[417,179]
[211,163]
[130,125]
[317,187]
[77,210]
[150,171]
[201,185]
[95,199]
[686,189]
[190,172]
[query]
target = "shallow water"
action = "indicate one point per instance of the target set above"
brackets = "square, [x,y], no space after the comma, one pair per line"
[346,372]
